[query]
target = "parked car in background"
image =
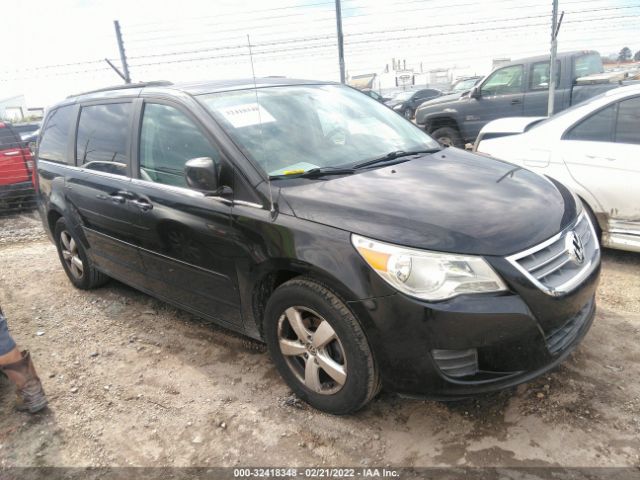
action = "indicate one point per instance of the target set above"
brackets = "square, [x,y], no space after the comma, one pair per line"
[375,95]
[405,103]
[519,88]
[464,85]
[16,166]
[362,252]
[593,148]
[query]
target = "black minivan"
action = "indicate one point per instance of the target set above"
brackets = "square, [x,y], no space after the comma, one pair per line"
[312,217]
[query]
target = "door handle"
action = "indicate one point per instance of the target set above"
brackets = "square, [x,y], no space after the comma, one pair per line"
[115,198]
[515,101]
[143,204]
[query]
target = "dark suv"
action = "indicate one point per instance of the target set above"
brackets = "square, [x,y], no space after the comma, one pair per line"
[314,218]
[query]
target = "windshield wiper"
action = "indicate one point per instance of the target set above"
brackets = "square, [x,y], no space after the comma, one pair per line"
[316,172]
[393,156]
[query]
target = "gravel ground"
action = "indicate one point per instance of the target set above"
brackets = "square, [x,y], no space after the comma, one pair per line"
[135,382]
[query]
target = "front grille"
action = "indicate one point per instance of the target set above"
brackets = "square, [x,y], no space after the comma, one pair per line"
[554,266]
[456,363]
[560,338]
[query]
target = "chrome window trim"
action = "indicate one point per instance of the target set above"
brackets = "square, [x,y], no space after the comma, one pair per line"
[575,281]
[87,170]
[192,193]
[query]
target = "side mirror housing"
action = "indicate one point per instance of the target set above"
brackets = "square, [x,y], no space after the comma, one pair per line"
[475,92]
[202,175]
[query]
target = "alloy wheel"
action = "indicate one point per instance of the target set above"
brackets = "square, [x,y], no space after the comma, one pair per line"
[312,350]
[71,255]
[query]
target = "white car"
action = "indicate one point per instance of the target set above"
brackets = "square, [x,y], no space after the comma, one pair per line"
[593,148]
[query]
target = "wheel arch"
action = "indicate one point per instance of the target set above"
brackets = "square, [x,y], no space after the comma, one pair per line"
[277,272]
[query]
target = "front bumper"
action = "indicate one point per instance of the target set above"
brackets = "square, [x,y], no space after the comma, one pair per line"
[512,343]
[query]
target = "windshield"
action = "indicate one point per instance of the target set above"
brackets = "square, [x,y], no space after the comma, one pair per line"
[464,85]
[300,127]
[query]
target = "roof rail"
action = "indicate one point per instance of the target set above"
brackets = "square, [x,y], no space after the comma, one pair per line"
[156,83]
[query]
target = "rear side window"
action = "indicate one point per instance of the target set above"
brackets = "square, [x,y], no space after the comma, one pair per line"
[103,138]
[539,78]
[53,144]
[628,122]
[596,128]
[168,139]
[7,138]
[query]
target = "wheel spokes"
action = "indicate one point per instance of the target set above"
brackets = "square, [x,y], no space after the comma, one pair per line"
[291,347]
[332,368]
[75,260]
[323,335]
[312,375]
[295,320]
[64,236]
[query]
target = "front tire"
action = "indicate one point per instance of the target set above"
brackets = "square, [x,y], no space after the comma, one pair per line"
[448,136]
[319,347]
[80,270]
[408,113]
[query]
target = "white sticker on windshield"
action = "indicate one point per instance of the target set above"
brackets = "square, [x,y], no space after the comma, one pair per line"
[246,115]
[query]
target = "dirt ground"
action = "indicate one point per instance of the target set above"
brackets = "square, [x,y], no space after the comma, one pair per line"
[135,382]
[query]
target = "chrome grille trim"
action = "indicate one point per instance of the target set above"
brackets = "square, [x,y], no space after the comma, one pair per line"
[557,258]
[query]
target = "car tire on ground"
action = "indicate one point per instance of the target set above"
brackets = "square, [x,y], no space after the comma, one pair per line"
[76,264]
[448,136]
[319,347]
[408,113]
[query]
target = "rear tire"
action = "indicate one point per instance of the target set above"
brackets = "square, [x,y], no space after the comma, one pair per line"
[319,347]
[79,269]
[448,136]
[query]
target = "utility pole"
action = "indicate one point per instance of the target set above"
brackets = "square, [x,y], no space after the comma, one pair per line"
[555,28]
[340,41]
[123,56]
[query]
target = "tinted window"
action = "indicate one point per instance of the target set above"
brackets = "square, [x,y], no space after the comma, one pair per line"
[7,138]
[587,65]
[53,144]
[628,123]
[539,79]
[596,128]
[103,133]
[426,94]
[168,139]
[504,81]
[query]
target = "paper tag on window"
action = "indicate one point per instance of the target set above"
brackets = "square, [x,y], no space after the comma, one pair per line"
[246,115]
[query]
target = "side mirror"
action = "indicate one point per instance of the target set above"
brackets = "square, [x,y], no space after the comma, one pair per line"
[475,92]
[202,175]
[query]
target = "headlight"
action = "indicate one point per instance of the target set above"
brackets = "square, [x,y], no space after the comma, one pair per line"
[428,275]
[397,107]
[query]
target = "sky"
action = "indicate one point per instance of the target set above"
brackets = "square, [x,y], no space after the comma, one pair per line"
[58,47]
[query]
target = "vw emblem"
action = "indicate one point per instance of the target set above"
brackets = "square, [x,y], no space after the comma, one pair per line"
[574,248]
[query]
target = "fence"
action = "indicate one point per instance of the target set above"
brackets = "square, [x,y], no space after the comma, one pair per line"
[417,42]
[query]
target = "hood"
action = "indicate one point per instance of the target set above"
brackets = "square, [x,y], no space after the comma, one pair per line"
[451,201]
[438,103]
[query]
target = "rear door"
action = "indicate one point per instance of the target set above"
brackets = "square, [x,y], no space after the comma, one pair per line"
[501,95]
[187,244]
[602,153]
[13,159]
[536,99]
[98,190]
